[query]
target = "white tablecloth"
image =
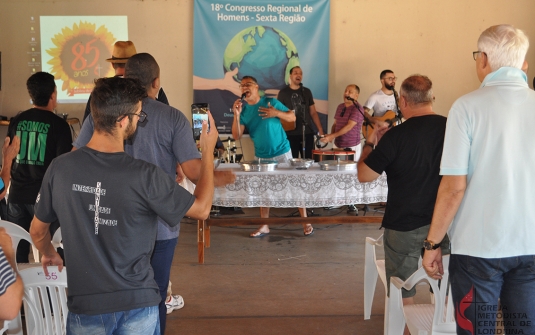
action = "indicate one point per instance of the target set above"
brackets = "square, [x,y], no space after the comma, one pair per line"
[288,187]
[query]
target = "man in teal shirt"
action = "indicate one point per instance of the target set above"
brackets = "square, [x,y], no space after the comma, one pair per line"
[262,116]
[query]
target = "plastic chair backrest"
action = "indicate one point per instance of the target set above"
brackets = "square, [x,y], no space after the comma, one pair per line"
[57,240]
[5,326]
[45,300]
[372,268]
[441,313]
[17,234]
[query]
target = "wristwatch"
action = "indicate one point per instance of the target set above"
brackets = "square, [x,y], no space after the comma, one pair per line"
[428,245]
[371,145]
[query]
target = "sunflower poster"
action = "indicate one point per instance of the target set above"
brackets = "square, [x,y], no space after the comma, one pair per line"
[263,39]
[74,49]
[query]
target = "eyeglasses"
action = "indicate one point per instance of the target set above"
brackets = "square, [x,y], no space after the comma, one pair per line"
[142,116]
[246,85]
[390,78]
[474,54]
[343,112]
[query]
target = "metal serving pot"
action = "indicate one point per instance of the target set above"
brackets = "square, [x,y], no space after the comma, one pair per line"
[259,166]
[338,165]
[301,164]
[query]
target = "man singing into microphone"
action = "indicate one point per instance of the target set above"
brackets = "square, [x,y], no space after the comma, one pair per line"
[297,97]
[261,116]
[348,120]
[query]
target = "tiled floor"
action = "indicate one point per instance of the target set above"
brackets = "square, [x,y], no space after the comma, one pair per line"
[282,283]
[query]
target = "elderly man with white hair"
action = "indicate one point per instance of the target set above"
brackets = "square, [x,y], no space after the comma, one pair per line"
[486,194]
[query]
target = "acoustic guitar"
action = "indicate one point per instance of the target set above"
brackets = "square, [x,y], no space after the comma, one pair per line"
[389,117]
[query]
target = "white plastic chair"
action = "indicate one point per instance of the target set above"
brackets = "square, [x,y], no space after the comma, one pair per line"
[18,233]
[57,240]
[373,268]
[45,300]
[5,325]
[422,319]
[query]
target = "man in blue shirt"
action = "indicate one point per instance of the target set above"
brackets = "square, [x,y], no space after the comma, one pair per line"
[262,116]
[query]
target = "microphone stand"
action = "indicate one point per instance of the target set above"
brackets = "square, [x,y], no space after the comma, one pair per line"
[304,106]
[300,111]
[367,121]
[303,127]
[300,107]
[400,113]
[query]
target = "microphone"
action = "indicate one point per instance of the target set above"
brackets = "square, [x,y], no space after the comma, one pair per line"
[349,98]
[243,96]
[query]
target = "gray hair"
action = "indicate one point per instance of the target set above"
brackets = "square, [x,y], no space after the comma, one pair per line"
[504,45]
[417,89]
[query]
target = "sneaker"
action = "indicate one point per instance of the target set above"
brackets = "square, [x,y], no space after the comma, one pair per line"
[173,303]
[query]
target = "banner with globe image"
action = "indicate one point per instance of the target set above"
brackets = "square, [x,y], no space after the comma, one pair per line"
[263,39]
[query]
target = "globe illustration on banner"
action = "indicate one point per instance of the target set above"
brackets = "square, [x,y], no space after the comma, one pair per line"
[263,52]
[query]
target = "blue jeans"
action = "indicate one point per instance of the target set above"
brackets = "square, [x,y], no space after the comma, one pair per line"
[478,283]
[142,321]
[161,260]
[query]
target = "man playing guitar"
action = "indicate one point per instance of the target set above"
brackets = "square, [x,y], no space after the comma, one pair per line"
[384,101]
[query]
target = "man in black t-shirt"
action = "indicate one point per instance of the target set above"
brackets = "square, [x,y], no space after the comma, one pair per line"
[410,155]
[43,136]
[299,99]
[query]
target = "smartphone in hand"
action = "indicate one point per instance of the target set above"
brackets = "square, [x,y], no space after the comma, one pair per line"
[199,114]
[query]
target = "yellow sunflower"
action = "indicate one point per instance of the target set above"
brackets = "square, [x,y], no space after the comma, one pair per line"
[79,56]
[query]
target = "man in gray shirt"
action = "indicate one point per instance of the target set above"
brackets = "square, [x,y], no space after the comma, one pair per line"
[109,215]
[165,139]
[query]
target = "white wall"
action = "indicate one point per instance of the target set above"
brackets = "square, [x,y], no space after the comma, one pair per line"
[435,38]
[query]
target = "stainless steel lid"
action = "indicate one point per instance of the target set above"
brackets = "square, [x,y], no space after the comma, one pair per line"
[338,165]
[259,166]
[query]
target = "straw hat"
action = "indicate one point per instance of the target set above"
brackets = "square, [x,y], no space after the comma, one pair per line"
[122,50]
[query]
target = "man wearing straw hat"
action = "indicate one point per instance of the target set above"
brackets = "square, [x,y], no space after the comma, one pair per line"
[122,51]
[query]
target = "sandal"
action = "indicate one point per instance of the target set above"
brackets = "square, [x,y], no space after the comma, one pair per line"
[258,233]
[309,230]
